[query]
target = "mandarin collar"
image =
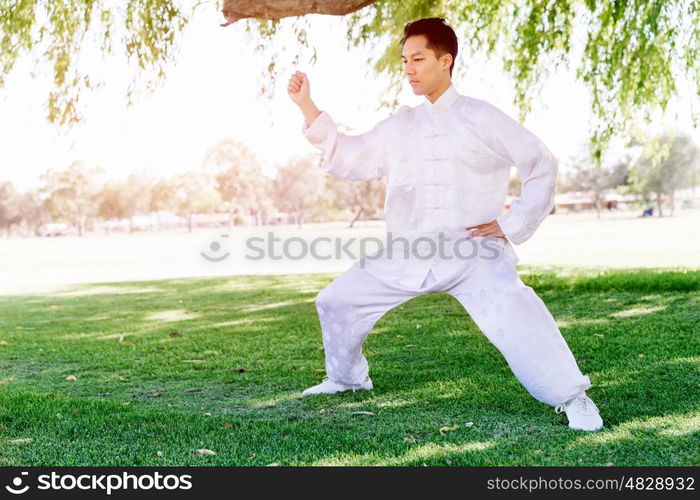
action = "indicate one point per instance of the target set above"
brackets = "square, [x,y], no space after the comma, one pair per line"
[448,97]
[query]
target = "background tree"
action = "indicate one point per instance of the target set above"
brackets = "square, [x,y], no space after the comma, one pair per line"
[72,194]
[363,198]
[139,191]
[263,204]
[194,193]
[31,208]
[630,55]
[299,186]
[162,194]
[239,179]
[162,198]
[110,202]
[10,212]
[583,175]
[666,163]
[126,198]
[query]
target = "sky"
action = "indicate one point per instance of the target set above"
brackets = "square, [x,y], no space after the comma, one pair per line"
[211,92]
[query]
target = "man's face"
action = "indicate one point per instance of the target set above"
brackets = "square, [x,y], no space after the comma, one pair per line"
[423,69]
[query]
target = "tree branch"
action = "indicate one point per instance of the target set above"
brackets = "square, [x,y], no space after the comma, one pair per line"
[276,9]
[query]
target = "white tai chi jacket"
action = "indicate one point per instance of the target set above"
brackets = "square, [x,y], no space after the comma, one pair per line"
[447,166]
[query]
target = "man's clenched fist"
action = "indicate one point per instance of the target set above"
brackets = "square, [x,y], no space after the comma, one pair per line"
[298,88]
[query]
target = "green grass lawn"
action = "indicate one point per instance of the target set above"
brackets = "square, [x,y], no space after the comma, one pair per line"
[165,368]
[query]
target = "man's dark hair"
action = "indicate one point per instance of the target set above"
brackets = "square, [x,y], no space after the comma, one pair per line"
[441,37]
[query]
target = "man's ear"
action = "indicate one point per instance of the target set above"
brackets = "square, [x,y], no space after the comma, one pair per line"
[448,58]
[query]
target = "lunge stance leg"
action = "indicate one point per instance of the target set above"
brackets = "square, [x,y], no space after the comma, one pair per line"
[519,325]
[347,309]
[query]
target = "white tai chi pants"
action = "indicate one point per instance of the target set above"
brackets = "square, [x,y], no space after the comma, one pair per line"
[509,313]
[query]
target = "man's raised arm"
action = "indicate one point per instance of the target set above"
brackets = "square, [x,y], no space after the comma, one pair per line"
[352,157]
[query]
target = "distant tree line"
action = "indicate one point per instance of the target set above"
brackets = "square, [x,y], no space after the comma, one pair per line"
[231,180]
[652,167]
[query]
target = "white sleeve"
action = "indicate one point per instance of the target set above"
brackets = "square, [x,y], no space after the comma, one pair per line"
[537,167]
[352,157]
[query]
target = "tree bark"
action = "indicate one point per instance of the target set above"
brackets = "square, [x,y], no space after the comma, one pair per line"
[231,216]
[276,9]
[596,198]
[673,204]
[357,216]
[658,203]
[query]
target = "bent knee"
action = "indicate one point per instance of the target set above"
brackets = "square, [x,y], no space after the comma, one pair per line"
[327,298]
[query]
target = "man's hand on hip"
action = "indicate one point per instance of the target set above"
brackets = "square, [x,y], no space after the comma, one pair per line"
[487,229]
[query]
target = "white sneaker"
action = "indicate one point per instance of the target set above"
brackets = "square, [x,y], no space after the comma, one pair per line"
[330,387]
[582,412]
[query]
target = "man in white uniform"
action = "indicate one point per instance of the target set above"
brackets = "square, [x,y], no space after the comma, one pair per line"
[447,164]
